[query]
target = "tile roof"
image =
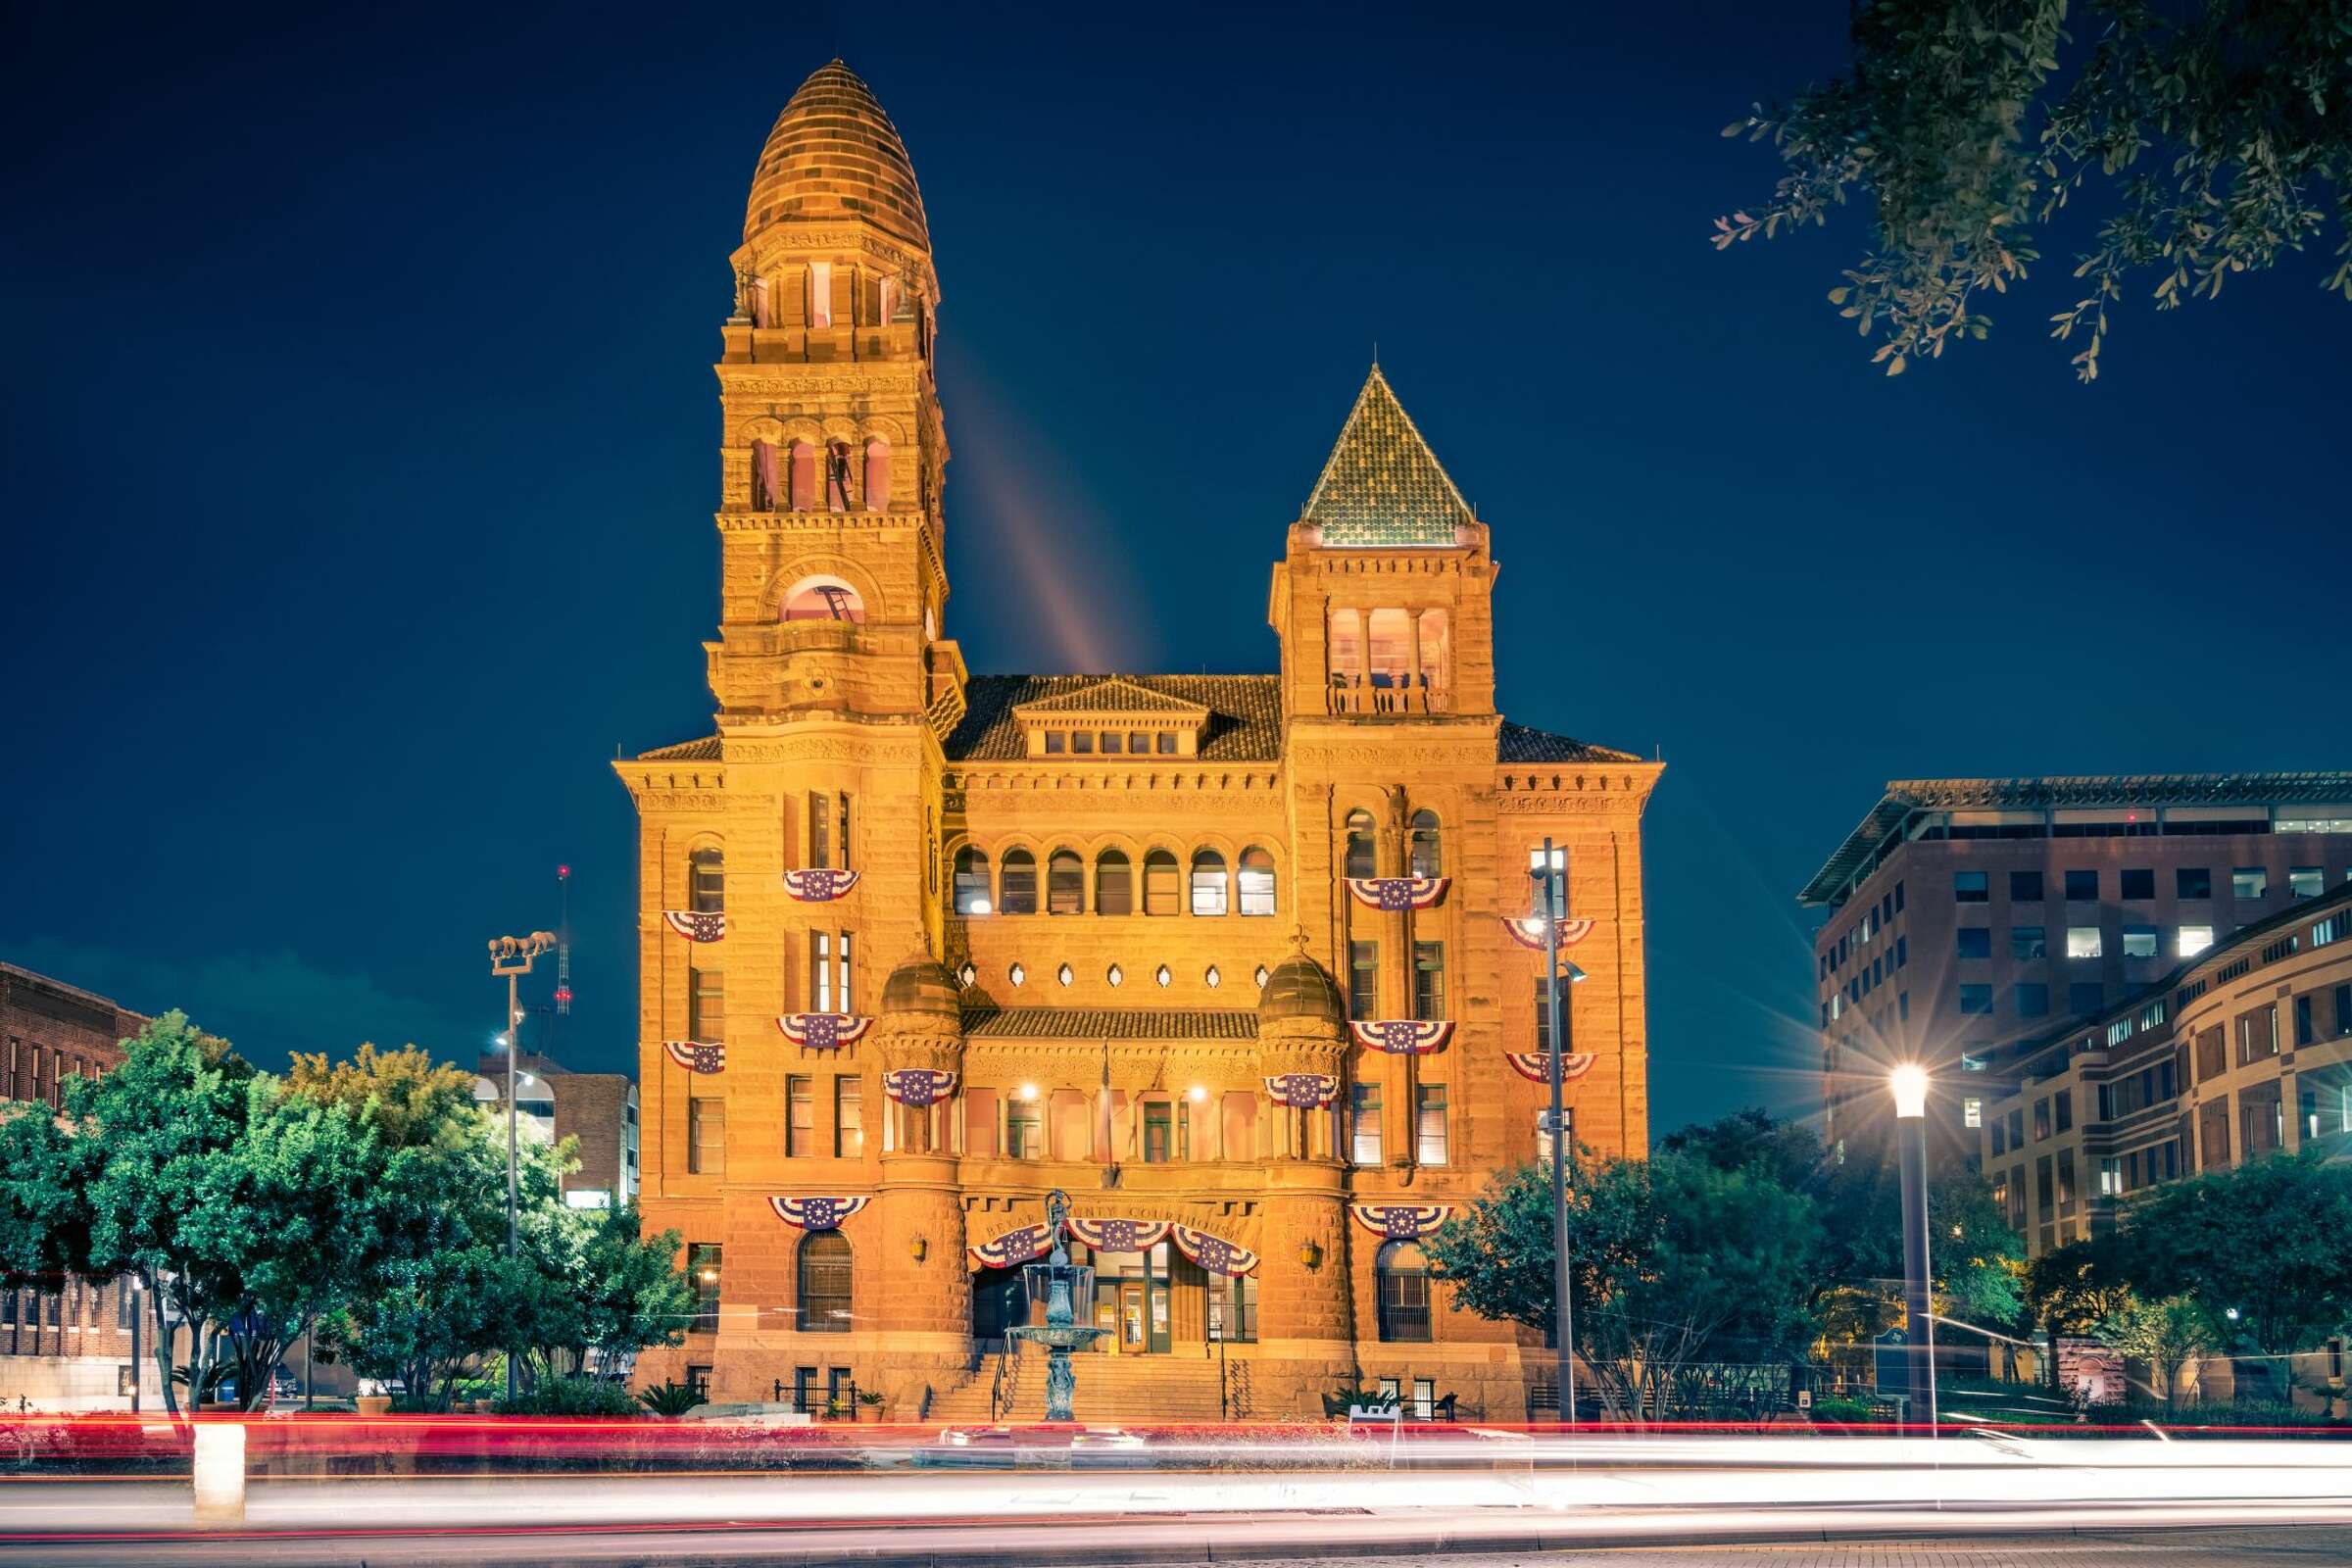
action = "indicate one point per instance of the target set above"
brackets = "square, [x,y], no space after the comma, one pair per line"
[1382,485]
[705,750]
[834,155]
[1245,712]
[1114,694]
[1516,743]
[1109,1023]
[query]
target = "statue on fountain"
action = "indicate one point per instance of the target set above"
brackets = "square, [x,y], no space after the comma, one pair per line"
[1059,1283]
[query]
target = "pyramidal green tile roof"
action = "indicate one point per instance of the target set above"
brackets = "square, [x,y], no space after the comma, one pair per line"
[1382,485]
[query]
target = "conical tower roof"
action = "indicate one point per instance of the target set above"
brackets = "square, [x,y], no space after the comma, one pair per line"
[1382,484]
[834,155]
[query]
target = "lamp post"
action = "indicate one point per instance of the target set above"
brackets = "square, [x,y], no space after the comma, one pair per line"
[1547,869]
[1909,1081]
[512,956]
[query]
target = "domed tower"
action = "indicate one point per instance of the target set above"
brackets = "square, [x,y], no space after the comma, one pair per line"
[1307,1312]
[925,1301]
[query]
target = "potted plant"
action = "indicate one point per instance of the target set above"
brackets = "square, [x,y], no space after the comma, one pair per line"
[837,1409]
[870,1405]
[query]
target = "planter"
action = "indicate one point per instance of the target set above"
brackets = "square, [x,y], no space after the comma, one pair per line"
[372,1404]
[868,1414]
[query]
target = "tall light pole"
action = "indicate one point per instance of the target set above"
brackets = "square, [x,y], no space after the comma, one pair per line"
[512,956]
[1547,869]
[1909,1081]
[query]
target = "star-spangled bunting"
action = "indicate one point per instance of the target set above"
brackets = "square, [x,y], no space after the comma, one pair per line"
[823,1031]
[1118,1234]
[818,884]
[816,1213]
[696,1055]
[697,925]
[917,1087]
[1401,1222]
[1215,1253]
[1014,1246]
[1303,1090]
[1402,1037]
[1395,894]
[1536,1064]
[1527,931]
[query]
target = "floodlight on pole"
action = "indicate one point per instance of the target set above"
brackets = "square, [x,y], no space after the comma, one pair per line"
[511,957]
[1909,1083]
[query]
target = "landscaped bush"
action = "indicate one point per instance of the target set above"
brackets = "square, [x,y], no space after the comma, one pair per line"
[573,1397]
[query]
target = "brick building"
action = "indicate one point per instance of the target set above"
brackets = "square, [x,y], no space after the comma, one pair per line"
[1224,957]
[1966,919]
[553,1102]
[65,1344]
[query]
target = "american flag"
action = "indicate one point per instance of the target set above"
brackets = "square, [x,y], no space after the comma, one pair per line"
[1536,1064]
[1014,1246]
[1401,1222]
[1402,1037]
[697,925]
[1215,1253]
[1118,1234]
[1397,893]
[696,1055]
[821,1031]
[1527,931]
[917,1087]
[816,1213]
[819,885]
[1304,1091]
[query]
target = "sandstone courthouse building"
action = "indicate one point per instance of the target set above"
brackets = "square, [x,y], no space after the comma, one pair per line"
[1224,957]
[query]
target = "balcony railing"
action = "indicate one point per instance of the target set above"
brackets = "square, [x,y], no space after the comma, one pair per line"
[1387,694]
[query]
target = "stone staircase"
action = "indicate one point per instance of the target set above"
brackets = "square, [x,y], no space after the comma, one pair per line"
[1110,1387]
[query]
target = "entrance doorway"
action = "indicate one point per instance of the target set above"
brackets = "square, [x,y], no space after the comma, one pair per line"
[1135,1300]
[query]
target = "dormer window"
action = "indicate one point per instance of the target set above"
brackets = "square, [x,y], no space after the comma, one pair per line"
[1121,718]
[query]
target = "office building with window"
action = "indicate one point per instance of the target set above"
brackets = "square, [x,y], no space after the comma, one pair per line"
[599,1111]
[1965,919]
[1224,957]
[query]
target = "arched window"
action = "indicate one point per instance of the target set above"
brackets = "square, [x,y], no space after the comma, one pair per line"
[877,475]
[823,599]
[1400,1275]
[1209,887]
[1257,881]
[1159,883]
[971,881]
[1115,883]
[1065,883]
[767,477]
[1431,629]
[837,477]
[1362,857]
[1347,646]
[1428,854]
[1016,884]
[803,476]
[825,1283]
[705,881]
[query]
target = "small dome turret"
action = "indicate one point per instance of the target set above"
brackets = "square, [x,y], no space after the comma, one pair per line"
[1300,988]
[923,984]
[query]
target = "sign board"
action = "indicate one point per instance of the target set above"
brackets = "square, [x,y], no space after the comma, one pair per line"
[1804,1398]
[1891,1362]
[2089,1370]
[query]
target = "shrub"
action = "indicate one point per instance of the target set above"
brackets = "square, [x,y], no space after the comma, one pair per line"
[672,1399]
[573,1397]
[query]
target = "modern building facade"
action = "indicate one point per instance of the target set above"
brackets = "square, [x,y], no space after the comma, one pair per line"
[1225,958]
[65,1344]
[1967,917]
[552,1102]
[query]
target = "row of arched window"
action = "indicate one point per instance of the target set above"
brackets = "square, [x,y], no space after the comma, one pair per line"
[1167,887]
[1424,846]
[806,476]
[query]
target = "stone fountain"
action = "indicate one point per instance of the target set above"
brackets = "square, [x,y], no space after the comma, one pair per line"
[1060,1284]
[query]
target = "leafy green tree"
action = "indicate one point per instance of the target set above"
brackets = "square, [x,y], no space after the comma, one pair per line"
[2167,1335]
[2220,126]
[2075,1289]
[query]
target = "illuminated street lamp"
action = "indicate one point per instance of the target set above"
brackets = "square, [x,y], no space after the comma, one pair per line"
[1909,1081]
[1547,869]
[512,956]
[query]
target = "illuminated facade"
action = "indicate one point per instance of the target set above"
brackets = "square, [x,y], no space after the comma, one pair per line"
[920,946]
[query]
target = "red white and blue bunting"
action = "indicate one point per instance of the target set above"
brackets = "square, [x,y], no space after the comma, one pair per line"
[1215,1253]
[1527,931]
[1119,1235]
[816,1213]
[1395,894]
[696,1055]
[823,1031]
[1401,1222]
[697,925]
[819,885]
[1303,1090]
[1402,1037]
[1014,1246]
[1536,1064]
[917,1087]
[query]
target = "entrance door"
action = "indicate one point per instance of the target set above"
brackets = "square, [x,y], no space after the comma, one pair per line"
[999,1301]
[1134,1337]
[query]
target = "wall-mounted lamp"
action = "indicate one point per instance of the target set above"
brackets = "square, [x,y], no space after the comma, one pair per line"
[916,1246]
[1310,1255]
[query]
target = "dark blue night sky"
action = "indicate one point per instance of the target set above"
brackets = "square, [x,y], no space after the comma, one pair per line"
[358,459]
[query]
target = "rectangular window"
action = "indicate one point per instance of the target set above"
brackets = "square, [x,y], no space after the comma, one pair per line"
[2032,998]
[2192,940]
[1082,742]
[1363,1123]
[707,1136]
[820,293]
[1160,1126]
[2139,883]
[1974,942]
[2000,1135]
[1056,742]
[1113,741]
[1543,1013]
[2305,1031]
[2043,1204]
[1902,951]
[1976,998]
[1972,1112]
[820,830]
[703,1278]
[1363,980]
[1164,743]
[705,1006]
[2142,942]
[2213,1058]
[2066,1181]
[1429,1124]
[1970,887]
[1429,981]
[2249,882]
[2083,887]
[2192,882]
[1024,1129]
[820,971]
[2026,942]
[2041,1120]
[2305,881]
[841,832]
[2025,887]
[2343,1009]
[2111,1178]
[2064,1103]
[2082,942]
[2258,1035]
[1139,743]
[800,1126]
[848,1115]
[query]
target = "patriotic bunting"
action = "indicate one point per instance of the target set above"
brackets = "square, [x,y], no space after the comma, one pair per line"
[1014,1246]
[823,1031]
[696,1055]
[697,925]
[1536,1064]
[1118,1234]
[1402,1036]
[816,1213]
[1303,1090]
[818,884]
[917,1087]
[1401,1222]
[1215,1253]
[1395,894]
[1527,931]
